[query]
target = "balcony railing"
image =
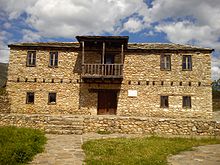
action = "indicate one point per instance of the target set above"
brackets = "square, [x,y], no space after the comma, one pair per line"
[102,70]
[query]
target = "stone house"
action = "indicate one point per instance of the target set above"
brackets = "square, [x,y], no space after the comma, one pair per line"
[106,75]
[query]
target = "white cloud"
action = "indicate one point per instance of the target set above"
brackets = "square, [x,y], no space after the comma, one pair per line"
[215,68]
[185,31]
[133,25]
[4,51]
[55,18]
[190,20]
[30,36]
[14,8]
[6,25]
[149,33]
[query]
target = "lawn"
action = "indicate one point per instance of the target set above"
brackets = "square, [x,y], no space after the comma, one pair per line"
[148,150]
[19,145]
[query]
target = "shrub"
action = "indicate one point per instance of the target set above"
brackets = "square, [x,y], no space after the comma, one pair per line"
[2,91]
[19,145]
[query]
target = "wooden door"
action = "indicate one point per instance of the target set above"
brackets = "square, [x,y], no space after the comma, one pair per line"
[107,102]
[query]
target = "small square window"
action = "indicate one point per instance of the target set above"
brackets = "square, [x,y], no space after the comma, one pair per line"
[187,62]
[31,58]
[164,102]
[30,98]
[52,98]
[53,59]
[165,62]
[186,101]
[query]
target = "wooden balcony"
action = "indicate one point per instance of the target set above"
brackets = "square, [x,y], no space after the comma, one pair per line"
[102,71]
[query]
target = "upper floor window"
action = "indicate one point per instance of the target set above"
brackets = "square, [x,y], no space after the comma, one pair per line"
[31,58]
[186,101]
[53,59]
[187,62]
[52,97]
[164,102]
[30,98]
[165,62]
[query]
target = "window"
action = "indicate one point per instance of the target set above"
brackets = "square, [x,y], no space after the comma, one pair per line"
[53,59]
[52,98]
[31,58]
[187,62]
[186,101]
[165,62]
[164,103]
[30,98]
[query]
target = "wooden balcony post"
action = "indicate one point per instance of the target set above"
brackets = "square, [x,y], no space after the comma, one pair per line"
[83,52]
[122,54]
[103,57]
[103,53]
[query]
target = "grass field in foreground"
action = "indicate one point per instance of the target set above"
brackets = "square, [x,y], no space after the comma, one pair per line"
[149,150]
[19,145]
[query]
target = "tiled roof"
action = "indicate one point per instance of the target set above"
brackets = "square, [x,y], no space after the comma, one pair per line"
[131,46]
[47,44]
[166,46]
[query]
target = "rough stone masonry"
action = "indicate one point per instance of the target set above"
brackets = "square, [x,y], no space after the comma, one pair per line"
[139,92]
[104,83]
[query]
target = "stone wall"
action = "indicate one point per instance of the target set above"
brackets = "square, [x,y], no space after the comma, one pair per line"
[148,125]
[4,104]
[64,124]
[141,73]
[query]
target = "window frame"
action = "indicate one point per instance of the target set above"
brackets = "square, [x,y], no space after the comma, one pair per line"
[165,59]
[28,97]
[53,59]
[163,101]
[187,102]
[49,95]
[187,62]
[31,55]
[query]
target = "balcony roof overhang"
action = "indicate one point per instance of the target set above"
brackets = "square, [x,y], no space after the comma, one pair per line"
[113,39]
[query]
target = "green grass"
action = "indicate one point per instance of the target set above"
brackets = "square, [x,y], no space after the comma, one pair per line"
[149,151]
[103,132]
[216,104]
[2,91]
[19,145]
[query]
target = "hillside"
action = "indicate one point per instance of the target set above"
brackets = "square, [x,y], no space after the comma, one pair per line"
[3,73]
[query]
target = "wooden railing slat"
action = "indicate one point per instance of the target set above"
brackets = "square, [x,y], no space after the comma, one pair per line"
[107,70]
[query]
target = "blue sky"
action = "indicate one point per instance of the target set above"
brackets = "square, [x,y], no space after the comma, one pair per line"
[194,22]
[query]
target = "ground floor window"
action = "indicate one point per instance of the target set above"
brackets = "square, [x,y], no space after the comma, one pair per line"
[186,101]
[30,98]
[164,102]
[52,98]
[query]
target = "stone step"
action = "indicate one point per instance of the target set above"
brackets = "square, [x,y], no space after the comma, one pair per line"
[64,127]
[63,131]
[64,122]
[65,118]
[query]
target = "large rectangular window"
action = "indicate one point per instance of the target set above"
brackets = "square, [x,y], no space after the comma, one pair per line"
[186,101]
[165,62]
[53,59]
[52,98]
[164,102]
[31,58]
[30,98]
[187,62]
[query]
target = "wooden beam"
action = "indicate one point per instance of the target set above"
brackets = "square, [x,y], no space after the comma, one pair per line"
[103,53]
[122,54]
[83,53]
